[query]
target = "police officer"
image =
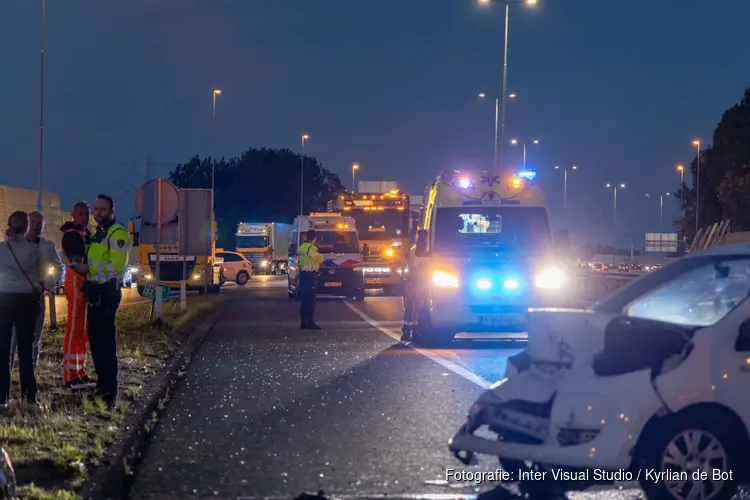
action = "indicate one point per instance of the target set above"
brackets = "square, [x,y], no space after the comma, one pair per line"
[308,262]
[415,291]
[107,259]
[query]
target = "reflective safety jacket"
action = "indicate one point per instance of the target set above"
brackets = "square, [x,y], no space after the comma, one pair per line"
[107,254]
[308,257]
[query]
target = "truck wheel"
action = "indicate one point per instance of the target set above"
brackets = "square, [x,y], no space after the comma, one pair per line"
[242,278]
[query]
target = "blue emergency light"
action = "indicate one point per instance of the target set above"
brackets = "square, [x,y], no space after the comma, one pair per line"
[484,284]
[529,175]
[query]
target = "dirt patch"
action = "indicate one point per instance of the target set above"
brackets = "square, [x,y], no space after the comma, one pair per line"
[53,451]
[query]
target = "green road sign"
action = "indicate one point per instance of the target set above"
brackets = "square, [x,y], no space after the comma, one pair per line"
[151,289]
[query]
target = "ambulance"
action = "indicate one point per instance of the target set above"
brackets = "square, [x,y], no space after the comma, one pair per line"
[489,256]
[341,272]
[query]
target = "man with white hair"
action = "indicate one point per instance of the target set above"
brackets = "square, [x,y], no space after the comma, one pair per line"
[50,261]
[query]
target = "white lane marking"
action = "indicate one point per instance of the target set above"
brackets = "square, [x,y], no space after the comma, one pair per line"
[458,370]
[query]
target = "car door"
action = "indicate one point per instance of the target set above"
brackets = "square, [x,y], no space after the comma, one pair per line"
[233,265]
[243,264]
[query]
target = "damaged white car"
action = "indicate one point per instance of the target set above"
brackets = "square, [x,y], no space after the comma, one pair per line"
[651,385]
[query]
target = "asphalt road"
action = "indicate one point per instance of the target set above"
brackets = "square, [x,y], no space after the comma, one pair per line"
[269,411]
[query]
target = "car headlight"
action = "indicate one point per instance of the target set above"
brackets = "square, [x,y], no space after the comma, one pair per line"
[264,263]
[443,279]
[551,278]
[389,252]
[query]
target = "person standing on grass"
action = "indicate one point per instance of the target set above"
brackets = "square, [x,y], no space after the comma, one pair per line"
[106,261]
[21,273]
[75,237]
[52,267]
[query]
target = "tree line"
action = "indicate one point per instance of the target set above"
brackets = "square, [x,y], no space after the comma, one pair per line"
[260,185]
[724,184]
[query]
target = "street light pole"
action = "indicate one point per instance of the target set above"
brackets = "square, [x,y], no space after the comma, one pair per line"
[355,167]
[505,90]
[697,143]
[614,215]
[302,177]
[39,204]
[213,147]
[494,162]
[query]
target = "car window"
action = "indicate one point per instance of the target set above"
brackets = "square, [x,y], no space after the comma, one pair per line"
[699,297]
[230,257]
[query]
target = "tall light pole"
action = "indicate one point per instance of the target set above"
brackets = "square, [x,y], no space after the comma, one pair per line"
[39,204]
[513,142]
[355,167]
[305,137]
[482,95]
[505,74]
[565,185]
[614,215]
[681,170]
[216,92]
[697,144]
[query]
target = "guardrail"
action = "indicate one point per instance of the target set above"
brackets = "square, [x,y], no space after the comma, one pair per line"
[592,286]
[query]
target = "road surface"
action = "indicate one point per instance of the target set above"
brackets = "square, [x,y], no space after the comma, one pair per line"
[269,411]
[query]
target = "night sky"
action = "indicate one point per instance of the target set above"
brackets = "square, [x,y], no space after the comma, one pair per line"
[619,88]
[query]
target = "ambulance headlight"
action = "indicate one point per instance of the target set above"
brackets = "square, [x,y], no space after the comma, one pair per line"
[389,252]
[551,278]
[444,279]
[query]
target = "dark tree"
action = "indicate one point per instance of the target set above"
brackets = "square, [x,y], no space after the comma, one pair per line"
[724,175]
[261,185]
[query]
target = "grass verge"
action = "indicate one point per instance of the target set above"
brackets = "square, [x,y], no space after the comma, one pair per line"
[54,450]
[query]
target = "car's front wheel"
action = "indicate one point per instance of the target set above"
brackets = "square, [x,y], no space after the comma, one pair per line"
[697,455]
[242,278]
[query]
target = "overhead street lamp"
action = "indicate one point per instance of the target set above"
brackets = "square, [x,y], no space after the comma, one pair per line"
[305,137]
[482,95]
[505,70]
[697,144]
[614,188]
[514,142]
[355,167]
[39,204]
[565,188]
[216,92]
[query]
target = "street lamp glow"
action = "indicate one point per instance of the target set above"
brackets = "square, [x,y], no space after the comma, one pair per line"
[514,141]
[532,2]
[608,185]
[574,167]
[355,167]
[217,91]
[696,142]
[482,95]
[484,2]
[622,186]
[305,137]
[512,96]
[536,141]
[680,168]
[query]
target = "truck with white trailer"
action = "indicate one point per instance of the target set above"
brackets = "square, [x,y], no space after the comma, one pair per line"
[265,245]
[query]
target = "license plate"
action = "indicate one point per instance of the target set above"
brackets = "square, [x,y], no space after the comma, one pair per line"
[373,281]
[332,284]
[501,320]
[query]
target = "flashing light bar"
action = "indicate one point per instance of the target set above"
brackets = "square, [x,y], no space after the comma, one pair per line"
[529,175]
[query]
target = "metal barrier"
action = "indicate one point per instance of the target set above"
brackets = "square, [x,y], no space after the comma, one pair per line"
[590,287]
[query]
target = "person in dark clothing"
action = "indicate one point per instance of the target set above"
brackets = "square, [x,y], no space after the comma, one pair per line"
[20,294]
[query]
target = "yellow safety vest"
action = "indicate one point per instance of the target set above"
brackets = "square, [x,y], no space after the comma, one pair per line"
[308,257]
[108,258]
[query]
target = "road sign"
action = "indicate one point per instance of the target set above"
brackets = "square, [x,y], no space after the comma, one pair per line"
[150,290]
[154,210]
[661,242]
[195,222]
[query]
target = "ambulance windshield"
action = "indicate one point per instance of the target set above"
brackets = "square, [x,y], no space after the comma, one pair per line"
[458,228]
[337,241]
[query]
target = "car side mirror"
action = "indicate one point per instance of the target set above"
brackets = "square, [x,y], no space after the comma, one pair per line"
[743,340]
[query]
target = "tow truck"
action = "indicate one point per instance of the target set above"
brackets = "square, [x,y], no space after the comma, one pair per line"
[488,258]
[383,226]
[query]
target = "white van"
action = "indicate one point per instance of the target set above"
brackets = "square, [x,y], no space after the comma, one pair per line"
[341,271]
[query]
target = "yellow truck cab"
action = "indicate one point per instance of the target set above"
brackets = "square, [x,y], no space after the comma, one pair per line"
[383,226]
[170,261]
[489,256]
